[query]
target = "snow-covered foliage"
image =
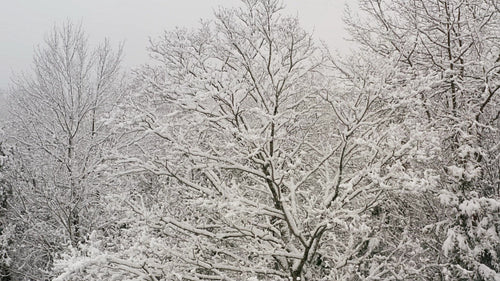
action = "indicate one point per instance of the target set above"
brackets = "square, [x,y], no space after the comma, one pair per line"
[244,151]
[270,159]
[59,140]
[451,50]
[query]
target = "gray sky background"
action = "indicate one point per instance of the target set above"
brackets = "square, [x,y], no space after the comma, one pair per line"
[24,23]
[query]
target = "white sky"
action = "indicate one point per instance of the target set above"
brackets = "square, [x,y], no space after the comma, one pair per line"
[24,23]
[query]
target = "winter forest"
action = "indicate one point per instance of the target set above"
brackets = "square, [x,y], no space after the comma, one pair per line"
[245,149]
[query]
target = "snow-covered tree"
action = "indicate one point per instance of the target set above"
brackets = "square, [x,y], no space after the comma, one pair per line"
[59,136]
[255,157]
[5,194]
[450,51]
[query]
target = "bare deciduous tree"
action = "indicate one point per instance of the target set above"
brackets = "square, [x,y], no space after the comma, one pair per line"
[267,166]
[59,137]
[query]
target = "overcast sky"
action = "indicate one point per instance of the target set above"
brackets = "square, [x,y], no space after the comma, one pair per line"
[24,23]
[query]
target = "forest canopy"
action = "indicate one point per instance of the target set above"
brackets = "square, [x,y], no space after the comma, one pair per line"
[246,150]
